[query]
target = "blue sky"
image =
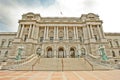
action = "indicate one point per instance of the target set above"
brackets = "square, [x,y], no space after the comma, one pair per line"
[11,11]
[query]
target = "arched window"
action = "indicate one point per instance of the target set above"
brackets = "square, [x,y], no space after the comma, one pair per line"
[72,52]
[119,53]
[117,44]
[6,53]
[3,42]
[96,37]
[110,42]
[25,37]
[113,53]
[49,52]
[9,43]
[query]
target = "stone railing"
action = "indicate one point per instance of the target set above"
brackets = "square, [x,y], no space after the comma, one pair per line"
[96,60]
[21,62]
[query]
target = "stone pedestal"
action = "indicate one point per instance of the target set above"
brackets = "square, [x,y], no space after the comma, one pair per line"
[92,40]
[17,40]
[29,40]
[103,40]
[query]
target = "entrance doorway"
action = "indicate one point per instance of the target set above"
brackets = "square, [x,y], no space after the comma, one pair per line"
[49,53]
[61,53]
[72,52]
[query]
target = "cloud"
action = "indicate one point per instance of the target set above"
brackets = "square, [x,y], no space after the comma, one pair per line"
[11,11]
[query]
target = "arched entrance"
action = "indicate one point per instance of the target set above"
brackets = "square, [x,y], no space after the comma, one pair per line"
[72,52]
[61,52]
[49,53]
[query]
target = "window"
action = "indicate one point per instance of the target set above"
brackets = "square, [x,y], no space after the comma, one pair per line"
[25,38]
[113,53]
[9,43]
[80,39]
[119,53]
[70,38]
[3,42]
[60,38]
[41,39]
[51,38]
[117,44]
[6,53]
[111,43]
[95,37]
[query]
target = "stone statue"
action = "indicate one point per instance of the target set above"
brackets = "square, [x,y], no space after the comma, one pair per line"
[18,57]
[39,52]
[102,53]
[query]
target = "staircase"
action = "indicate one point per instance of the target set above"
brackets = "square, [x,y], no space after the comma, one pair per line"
[76,64]
[53,64]
[62,64]
[22,64]
[97,63]
[34,62]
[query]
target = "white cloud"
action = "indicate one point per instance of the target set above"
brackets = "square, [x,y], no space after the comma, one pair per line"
[108,10]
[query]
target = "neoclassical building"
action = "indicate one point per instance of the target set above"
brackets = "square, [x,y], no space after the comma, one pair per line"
[58,37]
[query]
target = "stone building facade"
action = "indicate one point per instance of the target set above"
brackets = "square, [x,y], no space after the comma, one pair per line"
[58,37]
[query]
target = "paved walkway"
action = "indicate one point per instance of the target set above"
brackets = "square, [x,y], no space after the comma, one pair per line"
[58,75]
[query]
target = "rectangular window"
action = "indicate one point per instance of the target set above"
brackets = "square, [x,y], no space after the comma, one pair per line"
[70,38]
[95,37]
[25,38]
[51,38]
[80,39]
[111,43]
[9,43]
[60,38]
[41,39]
[117,43]
[2,44]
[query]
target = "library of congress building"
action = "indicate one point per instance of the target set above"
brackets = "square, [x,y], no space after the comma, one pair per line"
[59,43]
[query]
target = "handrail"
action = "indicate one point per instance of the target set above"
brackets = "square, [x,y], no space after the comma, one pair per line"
[14,64]
[89,63]
[36,62]
[62,64]
[30,57]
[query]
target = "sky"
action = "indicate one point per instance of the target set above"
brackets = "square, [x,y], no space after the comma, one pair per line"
[12,10]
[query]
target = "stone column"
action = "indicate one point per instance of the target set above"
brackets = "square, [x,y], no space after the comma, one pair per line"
[33,31]
[100,34]
[55,51]
[92,34]
[74,32]
[79,51]
[54,32]
[19,30]
[45,33]
[64,33]
[57,33]
[102,31]
[67,32]
[88,30]
[30,29]
[22,31]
